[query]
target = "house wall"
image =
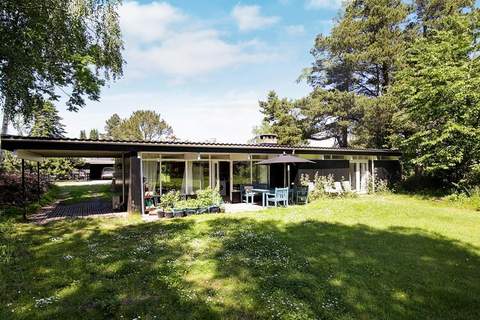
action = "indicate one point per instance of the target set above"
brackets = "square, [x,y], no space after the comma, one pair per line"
[390,170]
[135,188]
[146,174]
[339,169]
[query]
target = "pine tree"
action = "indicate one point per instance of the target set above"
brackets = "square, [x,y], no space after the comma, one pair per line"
[47,122]
[280,114]
[112,128]
[83,135]
[353,66]
[94,135]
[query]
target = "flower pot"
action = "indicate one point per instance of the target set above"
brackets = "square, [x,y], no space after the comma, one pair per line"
[168,214]
[214,209]
[190,211]
[177,213]
[160,213]
[202,210]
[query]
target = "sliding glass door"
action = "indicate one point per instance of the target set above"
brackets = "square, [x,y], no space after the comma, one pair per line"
[173,176]
[359,175]
[200,175]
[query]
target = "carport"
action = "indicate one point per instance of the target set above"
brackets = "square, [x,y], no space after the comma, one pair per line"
[126,161]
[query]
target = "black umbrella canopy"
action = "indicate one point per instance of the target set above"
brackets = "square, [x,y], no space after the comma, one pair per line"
[284,158]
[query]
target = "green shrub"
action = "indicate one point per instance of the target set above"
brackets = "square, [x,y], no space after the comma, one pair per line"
[462,199]
[169,200]
[187,204]
[377,185]
[208,197]
[320,184]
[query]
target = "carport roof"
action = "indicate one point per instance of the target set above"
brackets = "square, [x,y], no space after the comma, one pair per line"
[69,147]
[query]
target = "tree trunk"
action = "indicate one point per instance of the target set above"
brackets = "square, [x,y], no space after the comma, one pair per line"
[4,131]
[343,138]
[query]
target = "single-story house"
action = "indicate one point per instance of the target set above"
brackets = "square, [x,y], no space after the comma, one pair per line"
[161,166]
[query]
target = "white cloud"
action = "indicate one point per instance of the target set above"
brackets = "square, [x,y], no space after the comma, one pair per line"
[160,39]
[147,23]
[248,17]
[207,117]
[194,53]
[323,4]
[295,30]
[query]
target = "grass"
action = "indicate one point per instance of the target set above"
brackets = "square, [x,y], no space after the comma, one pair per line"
[71,193]
[372,257]
[68,193]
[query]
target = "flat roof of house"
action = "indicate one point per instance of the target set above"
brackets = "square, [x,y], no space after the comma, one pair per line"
[71,147]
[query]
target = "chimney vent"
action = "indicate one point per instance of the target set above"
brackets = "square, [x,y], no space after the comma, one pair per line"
[267,138]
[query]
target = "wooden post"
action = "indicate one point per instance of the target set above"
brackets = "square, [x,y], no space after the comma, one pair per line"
[24,192]
[124,201]
[38,181]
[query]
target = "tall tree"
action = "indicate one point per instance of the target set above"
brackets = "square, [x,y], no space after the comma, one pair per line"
[356,60]
[112,127]
[331,115]
[281,116]
[438,92]
[47,122]
[363,48]
[83,134]
[145,125]
[73,46]
[429,12]
[94,135]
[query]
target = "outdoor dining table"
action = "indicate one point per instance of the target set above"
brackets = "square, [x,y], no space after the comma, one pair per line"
[264,194]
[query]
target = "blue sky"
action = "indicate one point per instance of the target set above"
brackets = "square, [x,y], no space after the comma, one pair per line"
[205,64]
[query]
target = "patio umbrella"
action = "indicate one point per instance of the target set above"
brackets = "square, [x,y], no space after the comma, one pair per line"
[286,159]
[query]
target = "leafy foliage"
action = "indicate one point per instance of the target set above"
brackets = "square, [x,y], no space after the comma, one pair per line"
[263,128]
[47,122]
[208,197]
[281,116]
[145,125]
[438,92]
[94,135]
[11,192]
[53,44]
[169,199]
[362,50]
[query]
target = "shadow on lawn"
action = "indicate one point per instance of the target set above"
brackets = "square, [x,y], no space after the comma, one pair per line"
[122,273]
[321,270]
[294,271]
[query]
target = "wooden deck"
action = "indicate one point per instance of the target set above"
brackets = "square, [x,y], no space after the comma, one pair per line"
[87,209]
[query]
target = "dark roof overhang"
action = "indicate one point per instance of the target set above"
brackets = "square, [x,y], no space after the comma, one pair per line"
[68,147]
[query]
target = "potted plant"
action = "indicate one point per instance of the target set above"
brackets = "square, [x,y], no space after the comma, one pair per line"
[209,200]
[191,206]
[168,201]
[179,208]
[168,213]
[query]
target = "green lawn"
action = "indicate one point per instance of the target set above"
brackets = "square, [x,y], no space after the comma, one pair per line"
[72,193]
[373,257]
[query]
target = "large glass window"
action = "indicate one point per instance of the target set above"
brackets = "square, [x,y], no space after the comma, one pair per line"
[151,176]
[199,175]
[241,174]
[260,175]
[173,176]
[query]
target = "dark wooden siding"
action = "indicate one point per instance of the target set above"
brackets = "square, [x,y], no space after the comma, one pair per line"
[390,170]
[339,169]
